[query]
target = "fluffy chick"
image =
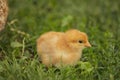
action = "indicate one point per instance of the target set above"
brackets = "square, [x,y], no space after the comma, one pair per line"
[59,48]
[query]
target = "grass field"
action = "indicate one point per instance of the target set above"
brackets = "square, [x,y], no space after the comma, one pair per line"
[100,19]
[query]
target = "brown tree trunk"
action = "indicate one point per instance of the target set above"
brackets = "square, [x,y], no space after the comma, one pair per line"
[3,13]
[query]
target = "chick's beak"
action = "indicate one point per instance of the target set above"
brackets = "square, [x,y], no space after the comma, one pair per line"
[87,44]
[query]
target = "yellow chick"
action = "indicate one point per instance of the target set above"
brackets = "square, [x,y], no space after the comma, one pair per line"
[59,48]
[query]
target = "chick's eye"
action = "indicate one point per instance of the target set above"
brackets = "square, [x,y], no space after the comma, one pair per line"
[80,41]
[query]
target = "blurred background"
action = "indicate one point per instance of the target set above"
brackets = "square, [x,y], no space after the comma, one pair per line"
[36,16]
[100,19]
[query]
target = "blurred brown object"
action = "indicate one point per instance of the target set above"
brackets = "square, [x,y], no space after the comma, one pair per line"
[3,13]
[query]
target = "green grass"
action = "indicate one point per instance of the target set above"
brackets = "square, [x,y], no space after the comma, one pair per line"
[100,19]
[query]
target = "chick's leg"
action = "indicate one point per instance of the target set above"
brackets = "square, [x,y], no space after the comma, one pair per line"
[46,60]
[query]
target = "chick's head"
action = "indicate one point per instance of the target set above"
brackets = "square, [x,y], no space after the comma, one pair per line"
[77,39]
